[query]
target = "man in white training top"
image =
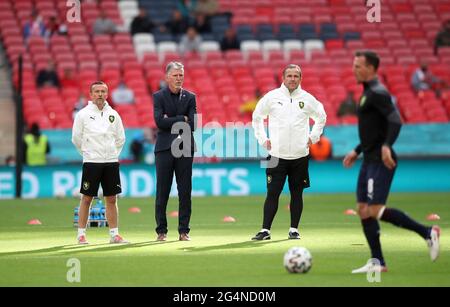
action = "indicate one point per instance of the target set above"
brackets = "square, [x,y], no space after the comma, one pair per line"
[99,136]
[288,110]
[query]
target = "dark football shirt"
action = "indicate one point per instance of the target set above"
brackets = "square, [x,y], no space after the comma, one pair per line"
[379,121]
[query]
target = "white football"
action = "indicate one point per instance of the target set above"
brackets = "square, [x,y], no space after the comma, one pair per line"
[297,260]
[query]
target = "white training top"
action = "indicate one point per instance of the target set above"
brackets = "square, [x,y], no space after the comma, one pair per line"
[99,136]
[289,115]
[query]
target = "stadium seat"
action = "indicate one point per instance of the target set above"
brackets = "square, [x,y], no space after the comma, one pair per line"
[141,50]
[212,55]
[275,55]
[240,71]
[165,47]
[250,45]
[128,4]
[143,38]
[233,55]
[404,38]
[265,28]
[311,45]
[269,46]
[163,37]
[296,56]
[217,64]
[209,46]
[290,45]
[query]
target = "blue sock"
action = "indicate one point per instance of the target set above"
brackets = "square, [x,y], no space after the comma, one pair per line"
[400,219]
[371,229]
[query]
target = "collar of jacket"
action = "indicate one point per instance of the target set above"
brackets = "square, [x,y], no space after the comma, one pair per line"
[370,83]
[285,90]
[93,106]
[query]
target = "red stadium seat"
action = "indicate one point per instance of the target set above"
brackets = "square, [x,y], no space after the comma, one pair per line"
[374,43]
[334,44]
[404,38]
[276,55]
[80,39]
[233,55]
[213,55]
[401,7]
[296,56]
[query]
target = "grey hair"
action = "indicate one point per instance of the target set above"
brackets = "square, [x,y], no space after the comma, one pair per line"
[173,65]
[290,66]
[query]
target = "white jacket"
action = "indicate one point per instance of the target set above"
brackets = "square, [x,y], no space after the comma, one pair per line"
[99,136]
[288,115]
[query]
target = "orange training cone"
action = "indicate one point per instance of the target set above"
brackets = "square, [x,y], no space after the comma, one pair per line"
[229,219]
[34,222]
[173,214]
[350,212]
[134,210]
[433,217]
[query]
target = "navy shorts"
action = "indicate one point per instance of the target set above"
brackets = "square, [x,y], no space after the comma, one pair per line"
[374,183]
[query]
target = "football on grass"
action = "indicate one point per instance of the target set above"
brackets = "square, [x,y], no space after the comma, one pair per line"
[297,260]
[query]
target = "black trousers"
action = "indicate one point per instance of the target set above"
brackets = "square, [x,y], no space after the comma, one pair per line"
[298,178]
[166,165]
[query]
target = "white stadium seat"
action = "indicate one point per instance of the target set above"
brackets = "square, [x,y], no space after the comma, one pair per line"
[141,49]
[313,44]
[127,4]
[270,45]
[143,39]
[164,47]
[292,44]
[209,46]
[250,45]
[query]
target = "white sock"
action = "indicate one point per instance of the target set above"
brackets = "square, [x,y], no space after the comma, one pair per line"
[293,229]
[113,232]
[81,232]
[265,230]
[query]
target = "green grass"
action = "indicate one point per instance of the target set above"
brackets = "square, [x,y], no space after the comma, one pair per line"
[220,254]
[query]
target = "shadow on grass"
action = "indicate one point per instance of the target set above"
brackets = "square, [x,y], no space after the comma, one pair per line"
[46,250]
[245,244]
[117,247]
[75,249]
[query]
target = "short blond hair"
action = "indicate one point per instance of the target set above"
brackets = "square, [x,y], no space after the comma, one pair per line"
[291,66]
[97,83]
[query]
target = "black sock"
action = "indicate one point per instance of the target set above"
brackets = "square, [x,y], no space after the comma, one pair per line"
[296,208]
[400,219]
[270,210]
[372,231]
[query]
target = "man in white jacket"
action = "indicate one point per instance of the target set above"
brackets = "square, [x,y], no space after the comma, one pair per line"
[288,110]
[99,136]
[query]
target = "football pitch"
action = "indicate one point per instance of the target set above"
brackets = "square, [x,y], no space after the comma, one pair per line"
[220,254]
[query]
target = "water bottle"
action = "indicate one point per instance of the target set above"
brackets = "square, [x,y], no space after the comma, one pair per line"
[94,211]
[75,217]
[103,216]
[98,208]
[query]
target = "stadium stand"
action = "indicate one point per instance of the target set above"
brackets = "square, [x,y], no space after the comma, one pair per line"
[319,35]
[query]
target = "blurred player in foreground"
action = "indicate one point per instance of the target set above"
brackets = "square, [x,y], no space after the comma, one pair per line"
[379,125]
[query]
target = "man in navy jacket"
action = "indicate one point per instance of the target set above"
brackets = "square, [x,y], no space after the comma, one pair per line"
[174,111]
